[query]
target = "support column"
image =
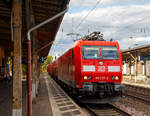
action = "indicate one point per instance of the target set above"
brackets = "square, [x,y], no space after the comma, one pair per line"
[35,79]
[136,69]
[130,69]
[145,70]
[38,67]
[34,61]
[17,69]
[135,60]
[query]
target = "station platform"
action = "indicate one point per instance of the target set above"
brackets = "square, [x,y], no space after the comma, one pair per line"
[40,108]
[51,100]
[131,81]
[61,103]
[5,98]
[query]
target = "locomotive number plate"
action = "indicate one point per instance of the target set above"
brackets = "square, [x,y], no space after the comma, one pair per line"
[101,78]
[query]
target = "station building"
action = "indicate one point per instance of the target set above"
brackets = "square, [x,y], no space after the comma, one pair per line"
[136,63]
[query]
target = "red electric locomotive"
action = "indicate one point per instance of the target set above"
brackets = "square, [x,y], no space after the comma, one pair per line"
[91,70]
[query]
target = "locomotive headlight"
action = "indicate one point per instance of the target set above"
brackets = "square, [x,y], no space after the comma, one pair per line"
[116,78]
[85,77]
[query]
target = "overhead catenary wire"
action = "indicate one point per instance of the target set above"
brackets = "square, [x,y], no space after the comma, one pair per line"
[140,20]
[127,27]
[57,45]
[88,13]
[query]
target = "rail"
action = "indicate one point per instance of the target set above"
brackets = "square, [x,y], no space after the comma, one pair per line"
[106,110]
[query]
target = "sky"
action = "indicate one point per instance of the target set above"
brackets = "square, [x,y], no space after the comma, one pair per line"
[125,21]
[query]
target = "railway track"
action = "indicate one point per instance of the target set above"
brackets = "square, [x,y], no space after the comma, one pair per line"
[105,110]
[137,89]
[139,93]
[140,98]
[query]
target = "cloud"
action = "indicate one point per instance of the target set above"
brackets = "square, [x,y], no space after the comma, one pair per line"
[110,19]
[103,2]
[108,2]
[82,2]
[133,42]
[117,22]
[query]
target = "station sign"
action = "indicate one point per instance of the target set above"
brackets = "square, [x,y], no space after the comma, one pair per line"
[145,58]
[41,60]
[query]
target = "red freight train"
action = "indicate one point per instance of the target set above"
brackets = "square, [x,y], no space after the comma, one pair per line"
[91,69]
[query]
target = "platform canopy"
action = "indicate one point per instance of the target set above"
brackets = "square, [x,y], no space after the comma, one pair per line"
[142,51]
[42,9]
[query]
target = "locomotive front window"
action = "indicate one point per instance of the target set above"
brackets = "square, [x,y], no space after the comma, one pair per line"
[100,52]
[90,52]
[109,52]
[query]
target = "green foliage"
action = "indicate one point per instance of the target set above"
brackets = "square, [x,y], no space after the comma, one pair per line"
[46,63]
[24,70]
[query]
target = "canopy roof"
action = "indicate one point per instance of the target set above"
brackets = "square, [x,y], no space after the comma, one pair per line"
[42,10]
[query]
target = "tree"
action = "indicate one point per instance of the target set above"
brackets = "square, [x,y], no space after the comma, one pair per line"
[46,63]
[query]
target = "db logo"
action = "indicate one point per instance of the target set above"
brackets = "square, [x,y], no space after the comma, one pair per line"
[101,68]
[101,63]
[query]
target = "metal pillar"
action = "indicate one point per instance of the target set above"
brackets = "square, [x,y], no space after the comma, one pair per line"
[29,80]
[29,99]
[17,70]
[30,22]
